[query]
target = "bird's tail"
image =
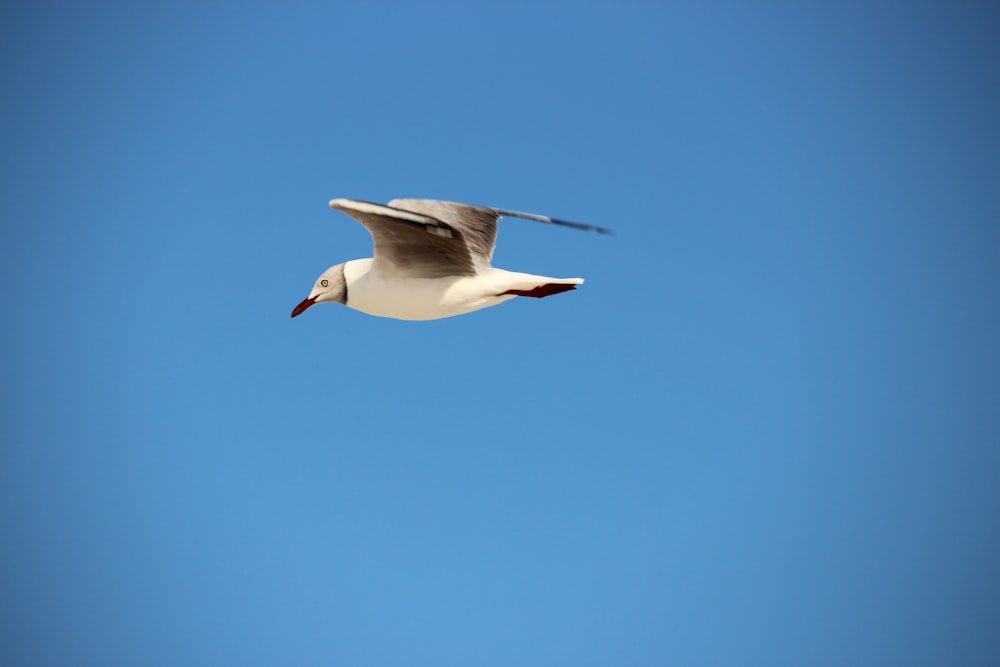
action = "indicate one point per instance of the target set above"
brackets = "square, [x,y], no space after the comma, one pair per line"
[546,287]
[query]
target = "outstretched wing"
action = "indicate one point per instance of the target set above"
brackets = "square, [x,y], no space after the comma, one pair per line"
[478,224]
[409,243]
[554,221]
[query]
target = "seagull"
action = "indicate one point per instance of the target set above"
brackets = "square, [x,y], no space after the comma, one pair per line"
[431,261]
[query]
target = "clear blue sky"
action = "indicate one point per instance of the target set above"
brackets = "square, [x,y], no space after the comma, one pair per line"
[765,432]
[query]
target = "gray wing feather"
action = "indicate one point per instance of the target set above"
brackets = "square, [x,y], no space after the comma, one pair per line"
[554,221]
[428,238]
[477,224]
[410,243]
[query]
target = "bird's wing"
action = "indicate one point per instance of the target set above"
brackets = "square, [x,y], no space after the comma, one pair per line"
[409,243]
[553,221]
[477,224]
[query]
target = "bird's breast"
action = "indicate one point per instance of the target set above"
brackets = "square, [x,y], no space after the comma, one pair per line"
[407,298]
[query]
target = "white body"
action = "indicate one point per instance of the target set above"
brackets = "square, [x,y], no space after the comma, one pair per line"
[408,298]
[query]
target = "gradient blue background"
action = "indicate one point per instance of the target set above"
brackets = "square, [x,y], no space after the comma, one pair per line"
[765,432]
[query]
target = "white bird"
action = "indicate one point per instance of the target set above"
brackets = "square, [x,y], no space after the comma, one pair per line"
[432,260]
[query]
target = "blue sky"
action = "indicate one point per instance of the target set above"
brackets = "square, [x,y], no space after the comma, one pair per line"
[765,432]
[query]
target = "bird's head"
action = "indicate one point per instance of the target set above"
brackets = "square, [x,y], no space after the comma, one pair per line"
[330,287]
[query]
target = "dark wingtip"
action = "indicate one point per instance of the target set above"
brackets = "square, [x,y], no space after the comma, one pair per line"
[584,227]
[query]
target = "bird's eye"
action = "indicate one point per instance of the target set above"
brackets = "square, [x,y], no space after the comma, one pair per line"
[324,282]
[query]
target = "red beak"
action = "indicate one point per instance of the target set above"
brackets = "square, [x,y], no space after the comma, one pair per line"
[301,308]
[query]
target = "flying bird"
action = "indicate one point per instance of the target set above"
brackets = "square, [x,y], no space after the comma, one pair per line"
[431,260]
